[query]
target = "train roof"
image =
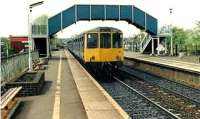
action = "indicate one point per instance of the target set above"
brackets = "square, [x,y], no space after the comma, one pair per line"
[104,29]
[98,29]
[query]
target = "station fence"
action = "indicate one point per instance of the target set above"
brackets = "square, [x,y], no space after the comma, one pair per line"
[187,49]
[13,66]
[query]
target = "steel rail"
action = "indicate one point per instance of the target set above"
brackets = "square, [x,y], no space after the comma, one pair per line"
[182,95]
[154,103]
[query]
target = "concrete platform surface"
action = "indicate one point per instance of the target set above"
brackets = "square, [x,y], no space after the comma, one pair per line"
[97,102]
[174,62]
[69,93]
[59,99]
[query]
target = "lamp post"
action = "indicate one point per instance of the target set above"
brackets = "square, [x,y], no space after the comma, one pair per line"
[171,40]
[30,33]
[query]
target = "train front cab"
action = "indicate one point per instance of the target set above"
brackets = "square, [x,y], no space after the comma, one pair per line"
[103,47]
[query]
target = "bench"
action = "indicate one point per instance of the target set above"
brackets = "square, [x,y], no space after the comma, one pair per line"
[38,64]
[9,102]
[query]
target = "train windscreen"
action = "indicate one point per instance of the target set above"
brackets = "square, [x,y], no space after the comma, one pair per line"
[92,40]
[105,40]
[117,40]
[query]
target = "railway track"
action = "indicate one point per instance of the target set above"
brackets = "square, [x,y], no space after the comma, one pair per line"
[145,96]
[180,105]
[192,94]
[135,103]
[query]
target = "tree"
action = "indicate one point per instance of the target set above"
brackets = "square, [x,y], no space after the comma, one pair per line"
[41,20]
[196,34]
[6,46]
[190,38]
[179,36]
[165,29]
[40,25]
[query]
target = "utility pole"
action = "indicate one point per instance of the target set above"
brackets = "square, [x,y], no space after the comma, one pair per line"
[29,41]
[30,34]
[171,40]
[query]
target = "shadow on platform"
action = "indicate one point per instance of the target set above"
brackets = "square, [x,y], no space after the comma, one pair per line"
[46,87]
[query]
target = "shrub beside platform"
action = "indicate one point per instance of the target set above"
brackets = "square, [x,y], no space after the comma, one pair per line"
[31,83]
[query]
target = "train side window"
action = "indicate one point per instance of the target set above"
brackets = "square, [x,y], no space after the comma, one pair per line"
[117,40]
[105,40]
[83,42]
[92,40]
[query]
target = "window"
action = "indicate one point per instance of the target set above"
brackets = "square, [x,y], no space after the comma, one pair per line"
[117,40]
[92,40]
[82,42]
[105,40]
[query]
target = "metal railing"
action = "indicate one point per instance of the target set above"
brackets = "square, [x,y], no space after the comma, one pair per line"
[14,66]
[39,29]
[147,38]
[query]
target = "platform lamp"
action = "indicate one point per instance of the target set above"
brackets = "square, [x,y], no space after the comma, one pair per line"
[171,40]
[30,33]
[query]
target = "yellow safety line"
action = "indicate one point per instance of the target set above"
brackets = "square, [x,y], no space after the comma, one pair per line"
[56,109]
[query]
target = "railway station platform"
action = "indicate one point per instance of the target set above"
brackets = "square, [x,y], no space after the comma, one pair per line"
[69,93]
[188,63]
[185,71]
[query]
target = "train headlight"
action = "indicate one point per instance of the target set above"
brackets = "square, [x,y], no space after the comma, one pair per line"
[118,58]
[92,58]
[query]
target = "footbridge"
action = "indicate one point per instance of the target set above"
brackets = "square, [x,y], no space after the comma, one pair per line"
[80,12]
[131,14]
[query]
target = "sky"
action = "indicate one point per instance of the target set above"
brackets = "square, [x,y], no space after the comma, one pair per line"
[14,14]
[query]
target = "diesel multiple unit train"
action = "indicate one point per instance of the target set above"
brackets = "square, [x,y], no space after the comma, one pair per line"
[101,48]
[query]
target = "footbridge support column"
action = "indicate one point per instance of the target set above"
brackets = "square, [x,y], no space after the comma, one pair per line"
[48,48]
[152,47]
